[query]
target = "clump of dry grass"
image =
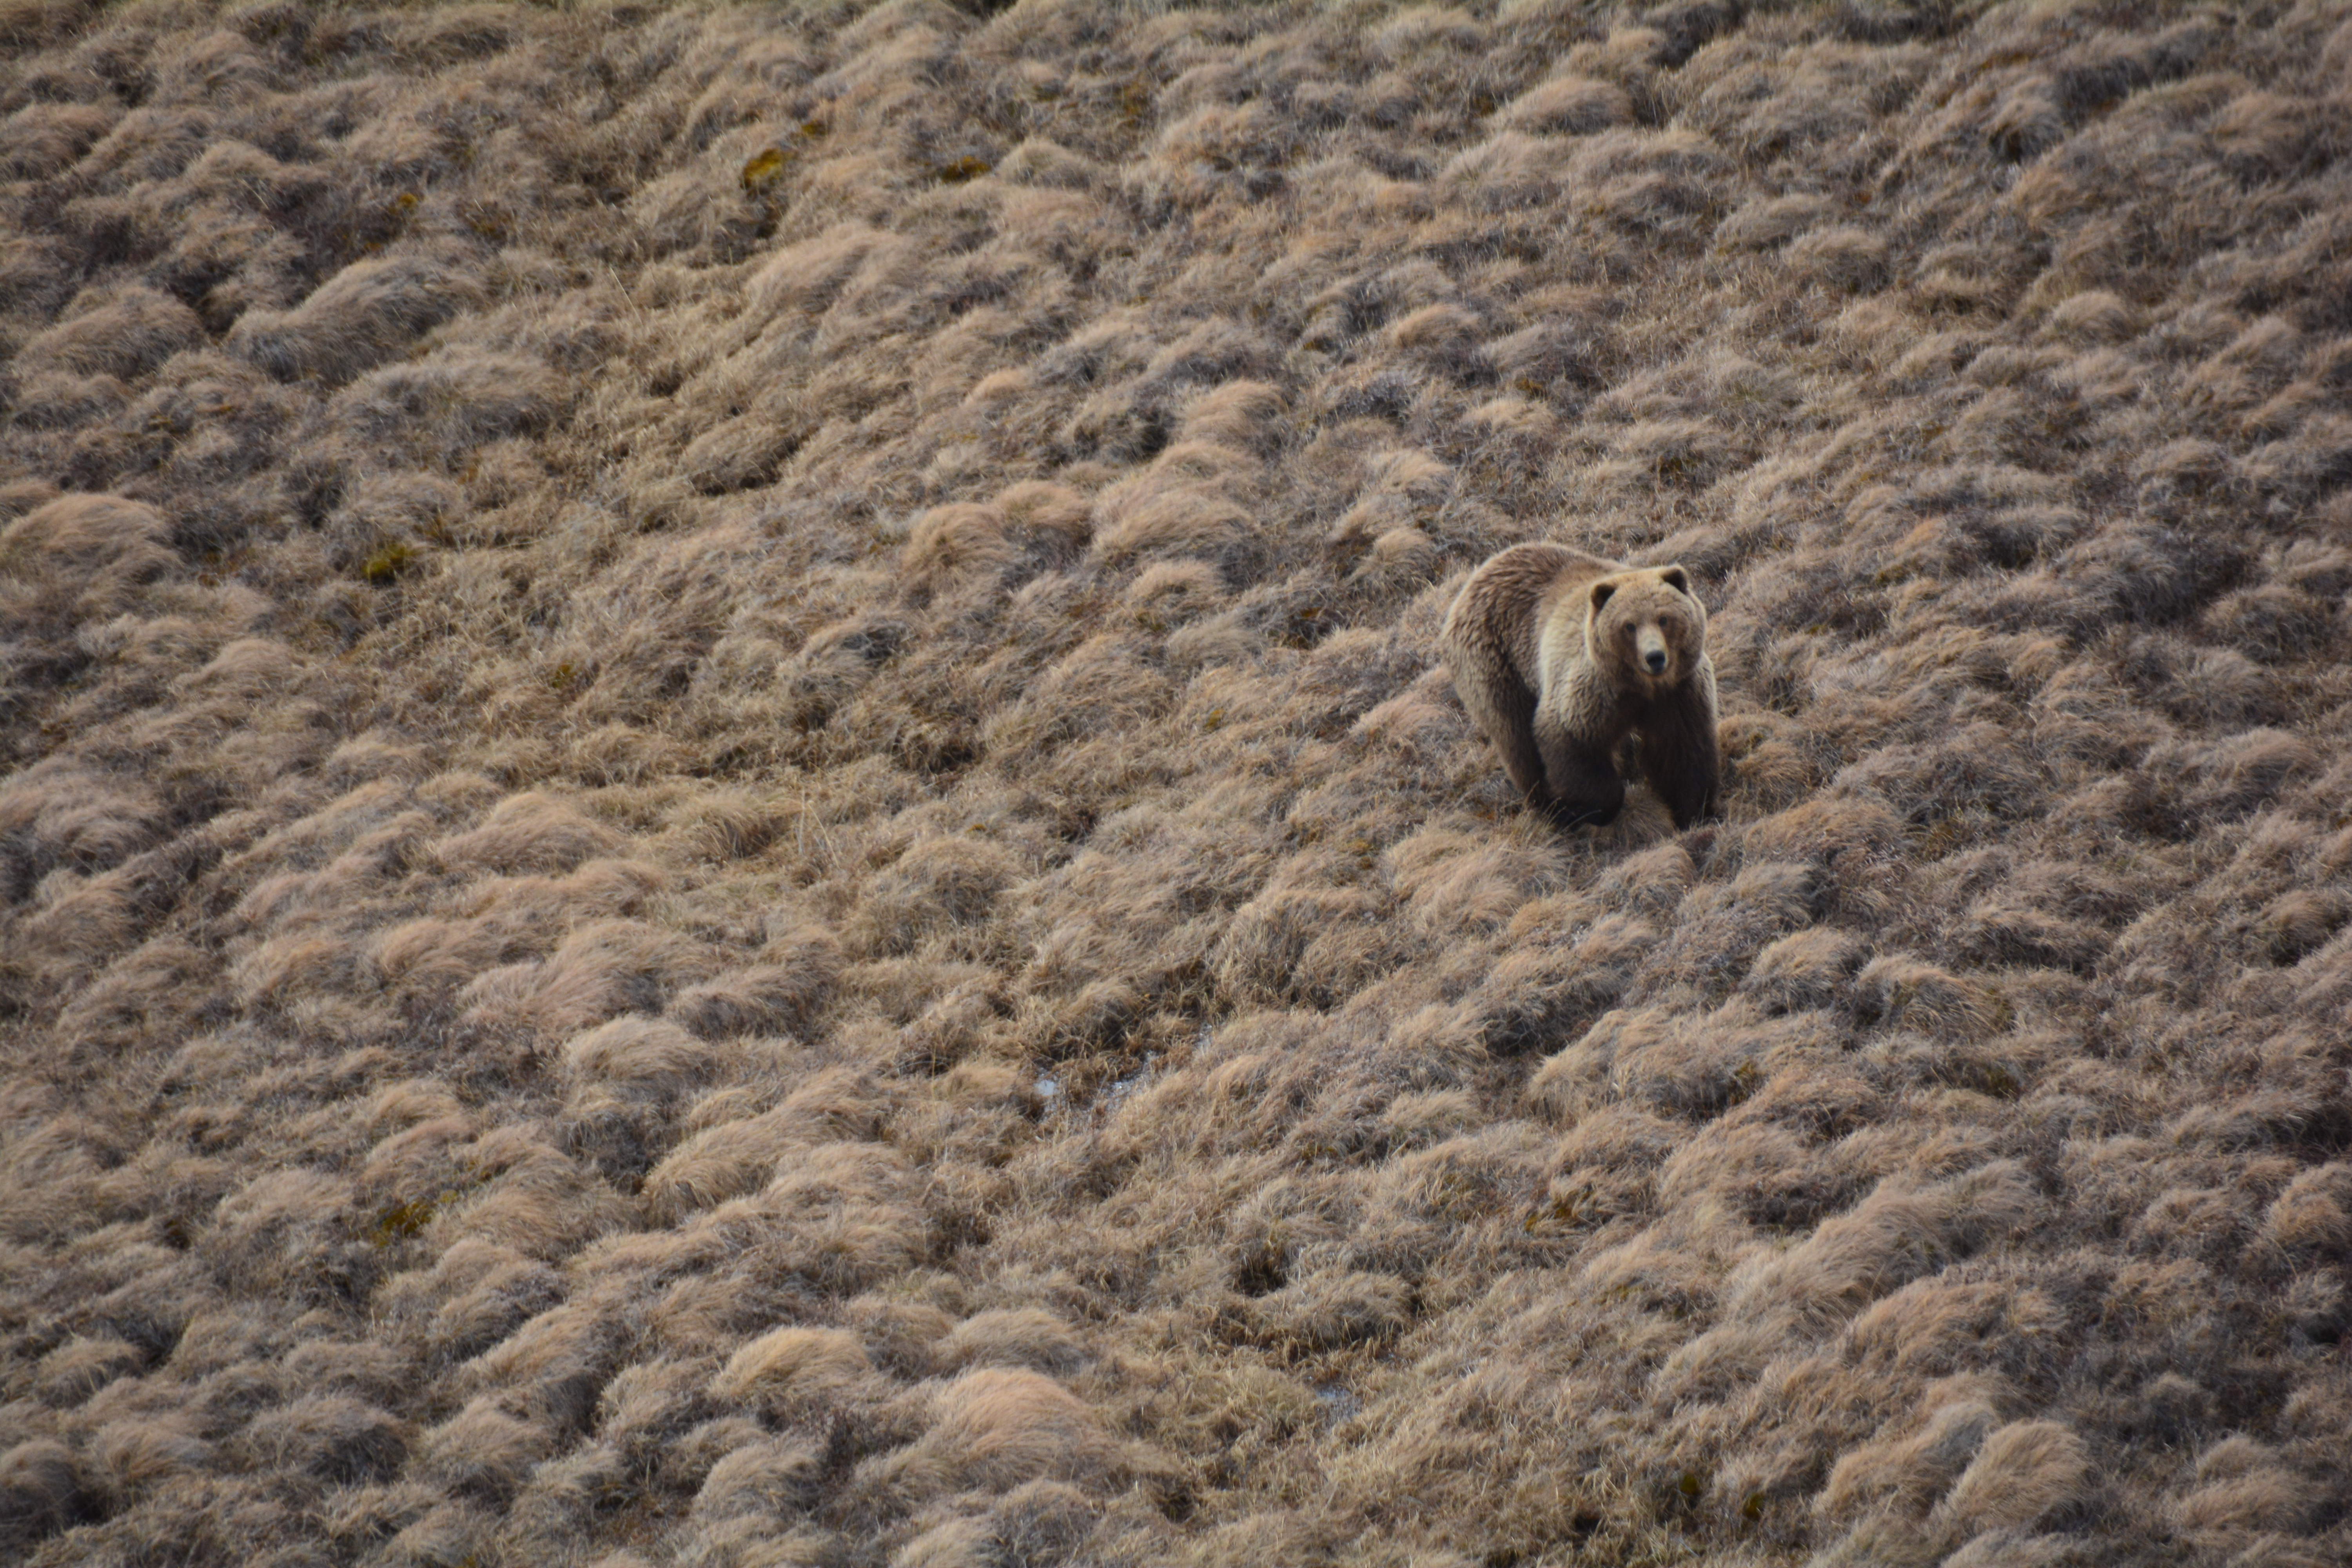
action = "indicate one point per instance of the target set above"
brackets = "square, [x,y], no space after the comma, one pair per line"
[729,831]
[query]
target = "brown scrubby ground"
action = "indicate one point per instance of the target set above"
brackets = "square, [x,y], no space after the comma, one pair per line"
[728,834]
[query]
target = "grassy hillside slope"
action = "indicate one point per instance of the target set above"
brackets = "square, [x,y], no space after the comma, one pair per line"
[728,834]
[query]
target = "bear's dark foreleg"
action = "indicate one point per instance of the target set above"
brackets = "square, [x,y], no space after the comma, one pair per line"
[1587,790]
[1680,758]
[1513,730]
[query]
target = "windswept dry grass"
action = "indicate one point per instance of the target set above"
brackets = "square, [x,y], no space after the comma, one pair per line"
[729,835]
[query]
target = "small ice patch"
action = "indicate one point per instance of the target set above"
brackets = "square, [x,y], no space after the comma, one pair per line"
[1120,1088]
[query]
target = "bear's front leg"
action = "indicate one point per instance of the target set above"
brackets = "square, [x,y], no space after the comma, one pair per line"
[1587,790]
[1680,758]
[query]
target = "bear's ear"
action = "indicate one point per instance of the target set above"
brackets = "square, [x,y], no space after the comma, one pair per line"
[1601,592]
[1677,579]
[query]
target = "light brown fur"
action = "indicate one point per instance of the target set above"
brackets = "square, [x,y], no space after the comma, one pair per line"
[1560,656]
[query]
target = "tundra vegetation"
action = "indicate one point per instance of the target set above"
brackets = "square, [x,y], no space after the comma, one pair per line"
[729,835]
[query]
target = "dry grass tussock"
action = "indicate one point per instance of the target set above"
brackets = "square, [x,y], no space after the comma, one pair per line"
[729,835]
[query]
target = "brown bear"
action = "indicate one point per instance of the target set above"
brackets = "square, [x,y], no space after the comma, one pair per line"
[1560,656]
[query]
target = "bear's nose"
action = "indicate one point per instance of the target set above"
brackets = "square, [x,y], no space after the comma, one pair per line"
[1656,661]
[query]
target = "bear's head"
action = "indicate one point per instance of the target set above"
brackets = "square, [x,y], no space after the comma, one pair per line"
[1646,628]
